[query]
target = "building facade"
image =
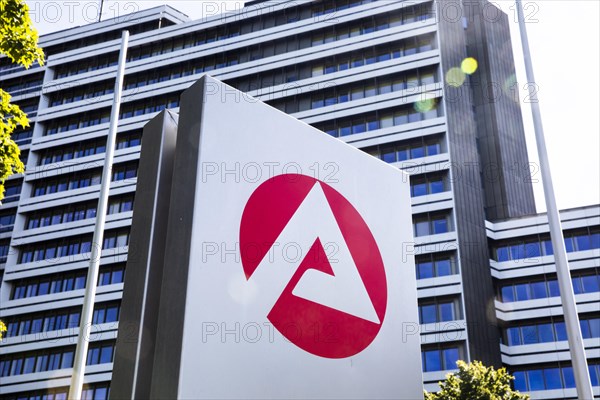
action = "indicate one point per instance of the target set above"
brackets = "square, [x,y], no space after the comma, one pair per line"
[383,76]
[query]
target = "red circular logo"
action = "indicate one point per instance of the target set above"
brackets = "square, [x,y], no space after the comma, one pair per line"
[334,303]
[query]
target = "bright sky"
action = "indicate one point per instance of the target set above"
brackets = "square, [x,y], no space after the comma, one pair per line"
[564,37]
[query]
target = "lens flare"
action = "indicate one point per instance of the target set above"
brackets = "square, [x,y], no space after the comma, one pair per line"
[469,65]
[424,105]
[455,77]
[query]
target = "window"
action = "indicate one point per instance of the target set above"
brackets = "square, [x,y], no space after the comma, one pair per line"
[539,289]
[52,320]
[51,359]
[536,247]
[422,185]
[431,266]
[440,310]
[559,376]
[440,359]
[545,332]
[431,224]
[58,283]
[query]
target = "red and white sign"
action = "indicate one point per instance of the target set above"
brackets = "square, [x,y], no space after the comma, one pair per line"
[301,283]
[331,305]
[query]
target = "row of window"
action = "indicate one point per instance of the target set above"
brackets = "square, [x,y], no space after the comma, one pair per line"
[432,223]
[380,119]
[379,54]
[65,282]
[4,250]
[77,212]
[55,320]
[406,150]
[53,249]
[222,32]
[71,43]
[541,289]
[171,72]
[550,378]
[12,190]
[441,359]
[83,92]
[53,359]
[531,248]
[435,265]
[6,222]
[97,391]
[368,88]
[328,65]
[24,85]
[424,184]
[337,32]
[21,136]
[97,117]
[84,179]
[439,310]
[549,332]
[406,47]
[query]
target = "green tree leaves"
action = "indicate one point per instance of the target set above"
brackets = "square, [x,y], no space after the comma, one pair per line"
[475,381]
[18,38]
[18,41]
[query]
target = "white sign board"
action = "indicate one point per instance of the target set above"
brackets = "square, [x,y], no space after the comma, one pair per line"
[298,283]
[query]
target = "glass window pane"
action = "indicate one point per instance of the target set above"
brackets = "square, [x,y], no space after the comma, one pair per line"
[553,288]
[419,189]
[432,361]
[117,276]
[502,254]
[552,378]
[520,381]
[436,186]
[593,369]
[451,356]
[112,314]
[67,360]
[538,290]
[569,244]
[440,225]
[532,250]
[422,228]
[508,294]
[547,245]
[514,337]
[561,331]
[106,354]
[582,242]
[517,251]
[417,152]
[590,283]
[530,334]
[536,379]
[447,312]
[425,270]
[428,314]
[101,394]
[443,267]
[29,365]
[546,333]
[595,240]
[568,378]
[594,327]
[522,291]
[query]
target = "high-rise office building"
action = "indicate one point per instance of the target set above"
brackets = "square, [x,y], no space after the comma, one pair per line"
[384,76]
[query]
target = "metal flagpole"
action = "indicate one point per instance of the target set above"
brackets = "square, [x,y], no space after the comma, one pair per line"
[576,347]
[96,250]
[100,13]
